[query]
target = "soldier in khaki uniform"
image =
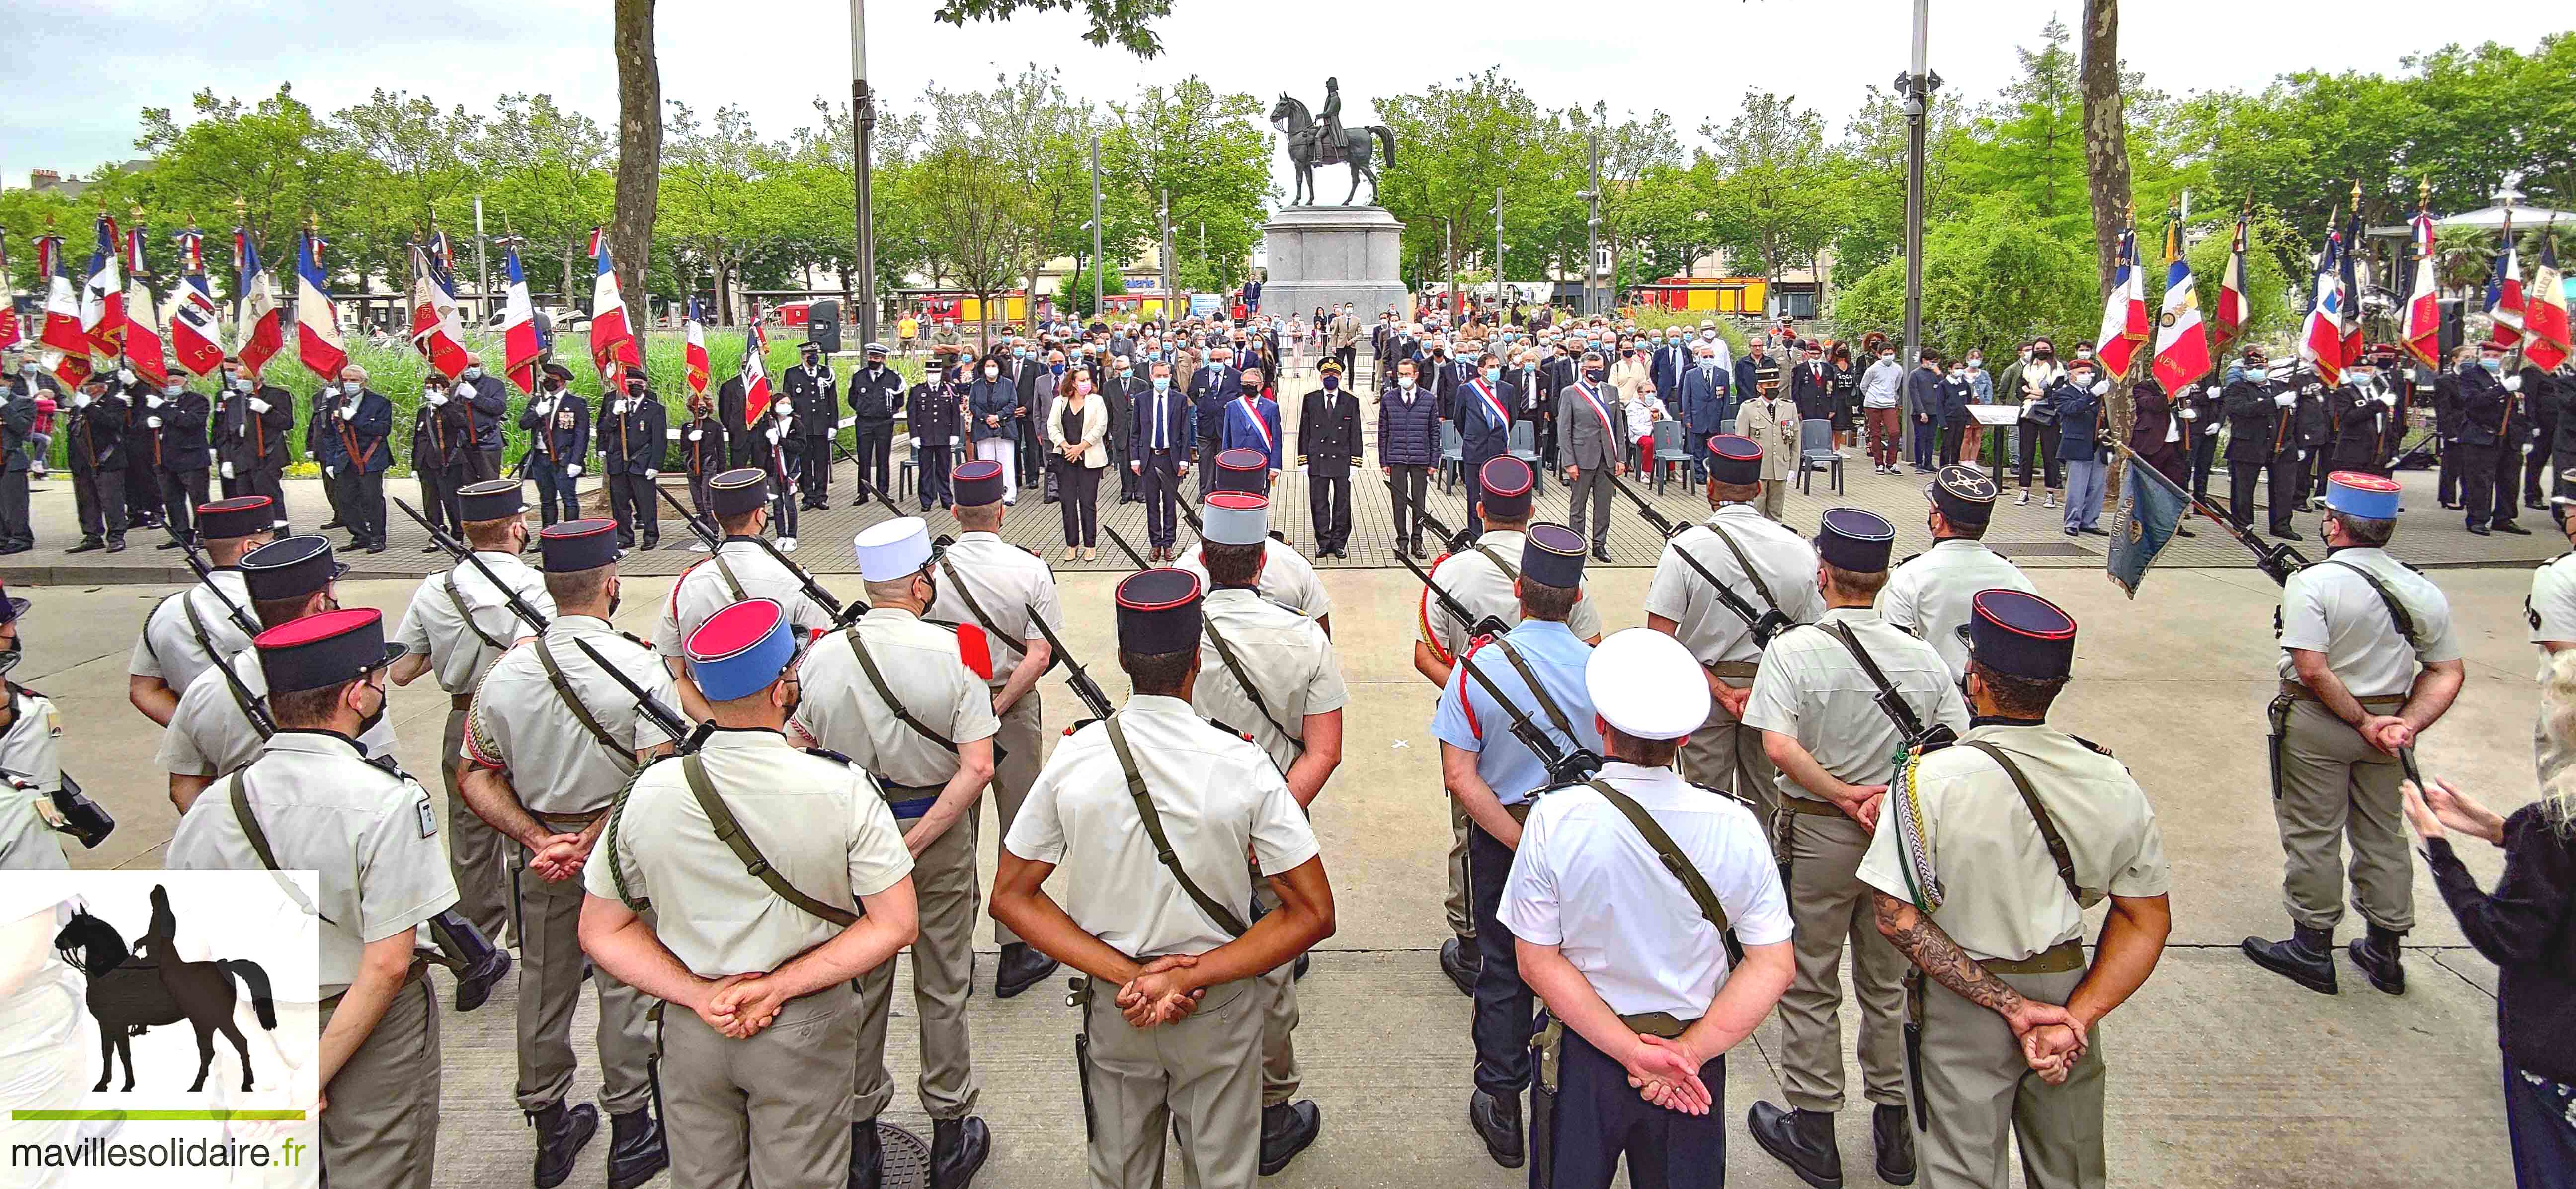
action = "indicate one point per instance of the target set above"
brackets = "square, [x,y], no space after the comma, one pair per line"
[1270,672]
[1769,568]
[1287,578]
[1836,742]
[742,567]
[186,632]
[1481,578]
[456,626]
[551,740]
[896,696]
[759,1024]
[1155,809]
[996,587]
[311,800]
[2368,662]
[1928,594]
[1985,857]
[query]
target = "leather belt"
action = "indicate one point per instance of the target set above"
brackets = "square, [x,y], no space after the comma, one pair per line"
[1656,1023]
[1520,812]
[2063,958]
[569,819]
[2300,691]
[915,801]
[1813,807]
[463,701]
[1734,668]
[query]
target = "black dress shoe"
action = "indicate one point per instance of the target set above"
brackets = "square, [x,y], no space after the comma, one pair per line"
[2534,503]
[1286,1129]
[2305,958]
[2377,954]
[5,550]
[432,547]
[1022,967]
[1459,965]
[87,544]
[1600,553]
[2453,505]
[1893,1143]
[2286,533]
[867,1156]
[652,542]
[1803,1140]
[332,525]
[171,545]
[957,1149]
[2507,526]
[1419,553]
[2478,530]
[1297,970]
[561,1134]
[1498,1122]
[475,986]
[637,1149]
[375,547]
[116,544]
[2180,531]
[2096,531]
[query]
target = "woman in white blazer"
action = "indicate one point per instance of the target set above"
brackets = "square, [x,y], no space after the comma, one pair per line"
[1076,424]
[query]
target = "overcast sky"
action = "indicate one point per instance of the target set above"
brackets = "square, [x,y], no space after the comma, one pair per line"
[83,68]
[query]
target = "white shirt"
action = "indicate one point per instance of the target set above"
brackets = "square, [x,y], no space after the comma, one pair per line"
[209,735]
[840,708]
[1287,578]
[521,727]
[1812,689]
[1584,880]
[701,591]
[1703,624]
[431,626]
[1485,589]
[2552,605]
[169,649]
[2329,609]
[30,754]
[1930,595]
[1008,584]
[1287,656]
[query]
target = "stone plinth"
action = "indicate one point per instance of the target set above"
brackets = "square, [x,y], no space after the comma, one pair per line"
[1327,255]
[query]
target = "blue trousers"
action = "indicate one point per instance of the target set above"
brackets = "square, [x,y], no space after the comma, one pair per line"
[1926,435]
[554,483]
[1504,1008]
[1599,1117]
[2085,483]
[2544,1142]
[1699,456]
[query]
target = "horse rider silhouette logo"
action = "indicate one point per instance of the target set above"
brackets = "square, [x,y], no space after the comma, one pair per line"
[130,994]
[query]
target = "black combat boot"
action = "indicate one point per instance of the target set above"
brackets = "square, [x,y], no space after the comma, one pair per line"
[561,1135]
[1023,967]
[2307,958]
[474,986]
[2376,954]
[1803,1140]
[867,1156]
[1460,964]
[1894,1141]
[1286,1129]
[1498,1122]
[637,1149]
[957,1149]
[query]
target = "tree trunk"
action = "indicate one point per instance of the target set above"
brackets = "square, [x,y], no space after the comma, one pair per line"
[2106,176]
[639,147]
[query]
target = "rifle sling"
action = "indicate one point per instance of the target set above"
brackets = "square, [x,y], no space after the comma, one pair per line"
[251,709]
[1225,918]
[1746,563]
[1665,849]
[1899,711]
[1726,594]
[2397,614]
[1242,677]
[977,609]
[1499,564]
[1519,718]
[732,584]
[259,845]
[2057,851]
[457,600]
[729,831]
[622,756]
[885,693]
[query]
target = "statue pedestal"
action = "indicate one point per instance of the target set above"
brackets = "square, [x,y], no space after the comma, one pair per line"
[1327,255]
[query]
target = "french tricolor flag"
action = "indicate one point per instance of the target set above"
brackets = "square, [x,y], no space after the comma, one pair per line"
[9,331]
[2504,291]
[142,323]
[437,331]
[66,343]
[694,356]
[262,327]
[2124,311]
[2321,338]
[612,340]
[103,300]
[317,317]
[2182,343]
[755,371]
[520,350]
[2424,305]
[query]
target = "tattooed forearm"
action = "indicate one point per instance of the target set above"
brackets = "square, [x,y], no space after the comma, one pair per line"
[1931,950]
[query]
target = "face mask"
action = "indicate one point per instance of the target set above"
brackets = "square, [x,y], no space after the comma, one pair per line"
[1127,371]
[2256,374]
[992,370]
[1162,382]
[2493,365]
[1593,374]
[123,376]
[437,392]
[10,656]
[334,389]
[2084,353]
[2044,355]
[1056,368]
[1627,353]
[1083,387]
[1331,382]
[27,369]
[1404,381]
[1492,374]
[368,722]
[1974,361]
[173,389]
[472,373]
[1707,335]
[1887,358]
[1019,352]
[2081,379]
[2025,357]
[1529,367]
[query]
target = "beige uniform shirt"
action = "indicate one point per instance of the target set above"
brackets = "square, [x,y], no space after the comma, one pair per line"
[169,647]
[2330,609]
[1485,588]
[521,727]
[2002,898]
[436,625]
[840,709]
[368,832]
[1007,583]
[1773,425]
[1287,578]
[1930,594]
[1812,689]
[1218,797]
[1287,656]
[1715,635]
[819,822]
[702,591]
[31,766]
[209,735]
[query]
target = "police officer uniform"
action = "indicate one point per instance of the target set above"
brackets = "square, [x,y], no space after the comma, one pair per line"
[1768,566]
[440,440]
[142,448]
[814,395]
[1929,593]
[2495,428]
[2002,841]
[741,568]
[771,1108]
[994,585]
[253,423]
[1814,689]
[1221,797]
[313,800]
[1549,656]
[94,441]
[487,402]
[463,624]
[187,631]
[896,696]
[2204,410]
[935,424]
[213,731]
[180,454]
[2551,608]
[563,736]
[558,423]
[2260,423]
[876,399]
[31,765]
[634,430]
[2330,786]
[1589,883]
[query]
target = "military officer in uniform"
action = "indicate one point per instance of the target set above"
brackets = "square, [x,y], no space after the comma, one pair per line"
[1533,672]
[1928,594]
[1328,449]
[2368,662]
[634,431]
[31,767]
[187,632]
[741,568]
[94,441]
[550,741]
[2262,440]
[1287,578]
[987,583]
[1768,566]
[935,424]
[1629,953]
[2495,430]
[458,623]
[1271,673]
[1984,860]
[702,455]
[876,399]
[558,423]
[1151,814]
[755,1072]
[897,697]
[1481,578]
[360,450]
[313,800]
[440,440]
[253,422]
[813,394]
[177,415]
[1817,702]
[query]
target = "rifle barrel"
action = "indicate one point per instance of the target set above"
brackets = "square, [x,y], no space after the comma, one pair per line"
[518,606]
[645,703]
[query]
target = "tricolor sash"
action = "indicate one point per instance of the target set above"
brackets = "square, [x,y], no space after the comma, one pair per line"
[1609,432]
[1493,404]
[1252,410]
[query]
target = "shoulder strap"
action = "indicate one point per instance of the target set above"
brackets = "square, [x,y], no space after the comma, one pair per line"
[1225,917]
[2057,851]
[729,831]
[1497,559]
[1746,564]
[1890,699]
[2397,614]
[1555,714]
[249,706]
[1242,677]
[1668,851]
[457,599]
[196,624]
[725,570]
[622,755]
[259,844]
[617,873]
[885,693]
[976,609]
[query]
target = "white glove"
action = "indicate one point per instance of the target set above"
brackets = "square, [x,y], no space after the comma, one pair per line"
[257,405]
[2302,456]
[543,407]
[2513,383]
[2286,399]
[330,472]
[617,408]
[228,470]
[2526,447]
[574,470]
[348,412]
[695,434]
[2185,391]
[80,400]
[152,401]
[2389,399]
[2191,414]
[152,423]
[650,473]
[773,435]
[2101,386]
[124,375]
[434,399]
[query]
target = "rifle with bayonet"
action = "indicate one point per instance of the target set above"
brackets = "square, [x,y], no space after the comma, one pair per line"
[2277,559]
[1124,547]
[253,707]
[535,620]
[1477,626]
[804,578]
[1457,541]
[1093,697]
[1564,766]
[1661,523]
[645,703]
[1763,624]
[241,618]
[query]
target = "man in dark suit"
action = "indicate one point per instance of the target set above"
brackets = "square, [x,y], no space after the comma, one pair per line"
[359,435]
[2260,412]
[253,423]
[1210,387]
[1484,430]
[876,399]
[1123,385]
[815,395]
[142,450]
[1328,446]
[2494,428]
[177,417]
[94,441]
[1703,406]
[440,440]
[1158,452]
[558,423]
[487,405]
[634,431]
[1668,362]
[17,423]
[1025,368]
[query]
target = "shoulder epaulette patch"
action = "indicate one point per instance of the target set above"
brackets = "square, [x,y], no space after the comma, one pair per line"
[389,764]
[1907,558]
[829,754]
[2091,746]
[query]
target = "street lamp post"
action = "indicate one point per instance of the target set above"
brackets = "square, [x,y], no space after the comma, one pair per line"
[1915,86]
[863,121]
[1449,243]
[1095,228]
[1170,280]
[1592,230]
[1498,251]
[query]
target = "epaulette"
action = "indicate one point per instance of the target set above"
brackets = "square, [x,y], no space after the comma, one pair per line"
[1031,552]
[389,764]
[1227,727]
[834,756]
[634,639]
[2091,746]
[1716,791]
[1907,558]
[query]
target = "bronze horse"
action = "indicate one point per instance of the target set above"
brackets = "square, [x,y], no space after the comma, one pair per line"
[129,996]
[1306,150]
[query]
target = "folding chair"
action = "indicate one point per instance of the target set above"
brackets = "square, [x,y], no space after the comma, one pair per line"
[1816,452]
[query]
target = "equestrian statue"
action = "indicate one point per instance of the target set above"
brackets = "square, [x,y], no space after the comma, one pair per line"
[128,994]
[1312,142]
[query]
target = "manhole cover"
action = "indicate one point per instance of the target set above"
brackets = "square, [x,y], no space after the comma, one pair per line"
[907,1158]
[2039,549]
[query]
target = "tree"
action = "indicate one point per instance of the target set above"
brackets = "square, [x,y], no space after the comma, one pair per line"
[1992,278]
[639,145]
[1208,151]
[547,176]
[1127,22]
[1077,287]
[275,155]
[2106,169]
[1456,144]
[1771,161]
[411,160]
